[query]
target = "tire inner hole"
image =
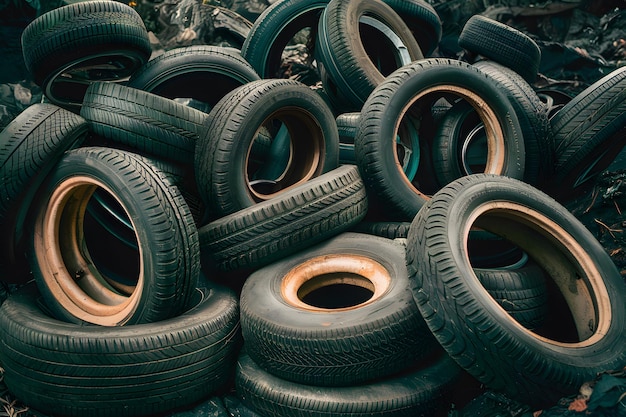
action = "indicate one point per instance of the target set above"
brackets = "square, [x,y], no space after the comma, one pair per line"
[336,290]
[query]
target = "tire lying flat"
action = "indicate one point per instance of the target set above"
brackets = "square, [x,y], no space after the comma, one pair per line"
[137,370]
[337,314]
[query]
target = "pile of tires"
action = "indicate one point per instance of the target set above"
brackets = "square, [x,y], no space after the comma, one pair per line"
[190,224]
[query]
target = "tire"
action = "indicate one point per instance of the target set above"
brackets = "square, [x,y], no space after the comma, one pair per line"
[66,369]
[230,177]
[275,28]
[588,135]
[30,146]
[422,19]
[346,127]
[143,121]
[397,172]
[69,47]
[503,44]
[532,115]
[337,314]
[292,221]
[419,393]
[347,45]
[520,290]
[167,264]
[390,230]
[533,367]
[204,73]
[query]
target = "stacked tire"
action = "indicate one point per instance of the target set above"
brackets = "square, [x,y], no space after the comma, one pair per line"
[185,225]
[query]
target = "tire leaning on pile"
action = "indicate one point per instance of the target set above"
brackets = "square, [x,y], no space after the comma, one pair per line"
[30,147]
[167,259]
[536,367]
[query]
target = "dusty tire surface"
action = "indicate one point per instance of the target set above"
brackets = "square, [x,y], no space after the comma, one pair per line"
[167,263]
[337,314]
[535,367]
[137,370]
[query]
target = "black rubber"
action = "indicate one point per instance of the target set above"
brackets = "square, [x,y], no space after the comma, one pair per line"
[342,334]
[503,44]
[588,134]
[292,221]
[204,73]
[162,227]
[226,165]
[274,29]
[30,147]
[103,33]
[423,20]
[59,368]
[532,114]
[144,121]
[534,367]
[421,391]
[387,108]
[354,58]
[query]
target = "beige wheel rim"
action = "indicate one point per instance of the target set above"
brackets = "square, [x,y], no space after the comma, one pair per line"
[567,263]
[66,267]
[328,270]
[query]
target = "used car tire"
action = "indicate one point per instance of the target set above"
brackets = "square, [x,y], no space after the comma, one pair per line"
[588,134]
[167,265]
[30,147]
[143,121]
[503,44]
[229,177]
[391,167]
[337,314]
[348,72]
[292,221]
[421,391]
[81,370]
[275,28]
[69,47]
[204,73]
[534,367]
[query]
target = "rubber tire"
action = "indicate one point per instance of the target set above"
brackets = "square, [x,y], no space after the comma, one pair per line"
[588,134]
[475,330]
[376,157]
[520,290]
[347,72]
[221,155]
[501,43]
[144,121]
[422,392]
[346,127]
[532,114]
[204,73]
[268,231]
[390,230]
[30,146]
[141,370]
[163,226]
[80,32]
[273,30]
[422,19]
[323,342]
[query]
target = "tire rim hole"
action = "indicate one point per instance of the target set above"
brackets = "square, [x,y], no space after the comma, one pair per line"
[336,291]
